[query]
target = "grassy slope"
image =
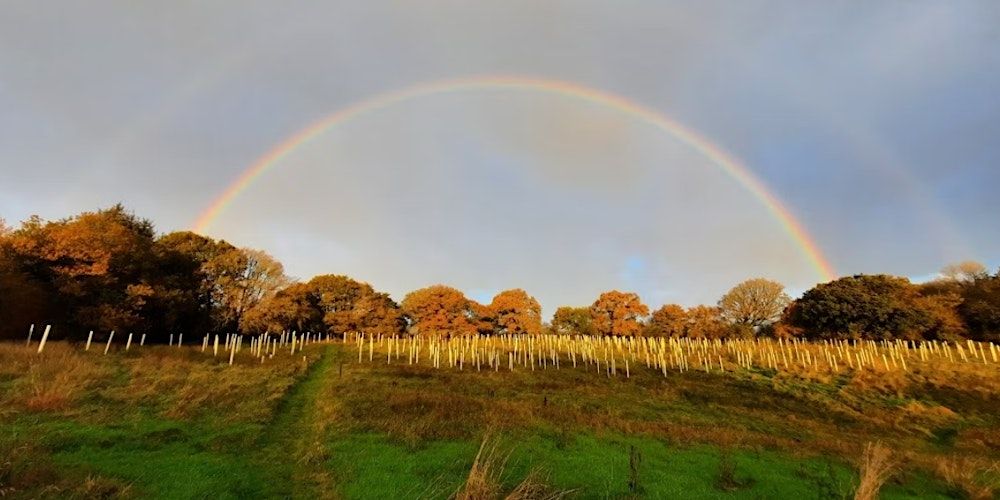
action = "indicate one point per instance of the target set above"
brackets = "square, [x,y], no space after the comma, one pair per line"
[414,431]
[376,431]
[139,430]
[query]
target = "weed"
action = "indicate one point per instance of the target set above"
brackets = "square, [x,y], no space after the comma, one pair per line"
[634,462]
[725,476]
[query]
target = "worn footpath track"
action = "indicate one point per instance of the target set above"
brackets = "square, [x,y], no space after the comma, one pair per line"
[294,447]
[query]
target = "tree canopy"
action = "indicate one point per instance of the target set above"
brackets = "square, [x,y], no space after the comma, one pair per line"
[671,320]
[516,312]
[573,321]
[861,306]
[755,303]
[618,313]
[440,310]
[109,270]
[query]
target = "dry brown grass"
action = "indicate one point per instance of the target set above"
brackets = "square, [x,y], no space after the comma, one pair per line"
[484,481]
[102,487]
[26,467]
[534,487]
[51,381]
[967,475]
[801,411]
[180,383]
[876,467]
[183,387]
[447,405]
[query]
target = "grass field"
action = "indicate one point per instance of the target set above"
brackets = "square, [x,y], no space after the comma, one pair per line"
[179,423]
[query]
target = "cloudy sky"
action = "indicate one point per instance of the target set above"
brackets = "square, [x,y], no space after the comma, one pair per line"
[877,124]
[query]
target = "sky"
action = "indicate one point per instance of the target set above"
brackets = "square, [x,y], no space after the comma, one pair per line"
[875,124]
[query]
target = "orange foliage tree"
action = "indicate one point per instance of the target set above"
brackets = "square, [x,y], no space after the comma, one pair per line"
[327,303]
[667,321]
[294,308]
[516,312]
[440,310]
[618,313]
[705,322]
[96,267]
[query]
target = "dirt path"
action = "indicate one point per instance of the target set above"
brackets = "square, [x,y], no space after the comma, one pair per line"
[294,446]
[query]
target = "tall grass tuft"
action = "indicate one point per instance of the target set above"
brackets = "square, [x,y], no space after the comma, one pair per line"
[966,475]
[484,481]
[877,466]
[50,381]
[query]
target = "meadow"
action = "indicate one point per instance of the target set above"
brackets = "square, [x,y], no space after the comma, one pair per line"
[499,417]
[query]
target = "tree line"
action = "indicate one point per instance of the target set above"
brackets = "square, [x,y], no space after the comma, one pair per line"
[110,270]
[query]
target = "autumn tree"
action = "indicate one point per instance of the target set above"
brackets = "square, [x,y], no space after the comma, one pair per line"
[618,313]
[483,317]
[980,308]
[943,321]
[338,297]
[244,277]
[667,321]
[294,308]
[705,322]
[96,267]
[754,303]
[440,310]
[107,270]
[185,288]
[516,312]
[573,321]
[327,303]
[964,272]
[23,300]
[377,313]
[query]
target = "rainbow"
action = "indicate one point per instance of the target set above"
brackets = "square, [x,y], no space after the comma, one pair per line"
[730,165]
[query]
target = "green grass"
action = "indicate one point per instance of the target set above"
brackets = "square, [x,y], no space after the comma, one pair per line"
[373,466]
[155,457]
[377,431]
